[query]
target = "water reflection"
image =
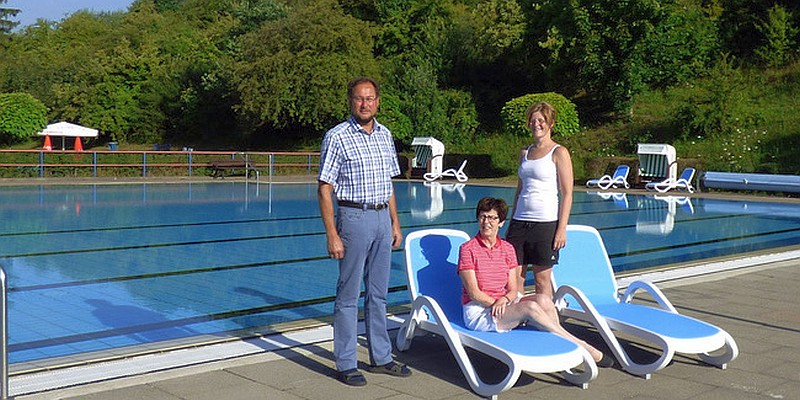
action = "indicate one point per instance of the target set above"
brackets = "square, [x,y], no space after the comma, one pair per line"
[430,205]
[657,213]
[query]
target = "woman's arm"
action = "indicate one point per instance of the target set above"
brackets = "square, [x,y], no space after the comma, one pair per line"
[522,154]
[565,182]
[470,282]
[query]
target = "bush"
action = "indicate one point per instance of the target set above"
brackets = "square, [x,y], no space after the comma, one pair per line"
[513,114]
[21,116]
[779,37]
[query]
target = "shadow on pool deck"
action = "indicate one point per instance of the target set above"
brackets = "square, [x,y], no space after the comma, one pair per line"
[756,305]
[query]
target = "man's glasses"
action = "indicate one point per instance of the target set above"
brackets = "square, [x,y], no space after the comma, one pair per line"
[368,100]
[487,217]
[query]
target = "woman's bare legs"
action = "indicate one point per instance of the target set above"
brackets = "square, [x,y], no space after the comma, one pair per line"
[529,309]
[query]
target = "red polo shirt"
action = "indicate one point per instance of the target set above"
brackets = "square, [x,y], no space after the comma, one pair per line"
[491,265]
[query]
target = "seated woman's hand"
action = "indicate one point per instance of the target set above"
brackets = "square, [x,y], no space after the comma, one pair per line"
[499,307]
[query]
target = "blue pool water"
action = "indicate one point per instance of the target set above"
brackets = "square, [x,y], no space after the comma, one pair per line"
[105,267]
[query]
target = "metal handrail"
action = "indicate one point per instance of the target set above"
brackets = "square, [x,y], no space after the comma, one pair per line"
[188,160]
[249,167]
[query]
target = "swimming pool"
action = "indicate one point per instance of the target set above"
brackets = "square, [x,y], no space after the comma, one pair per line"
[118,268]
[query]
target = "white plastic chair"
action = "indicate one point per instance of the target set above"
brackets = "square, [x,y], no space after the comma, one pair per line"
[435,289]
[684,182]
[451,172]
[620,178]
[586,284]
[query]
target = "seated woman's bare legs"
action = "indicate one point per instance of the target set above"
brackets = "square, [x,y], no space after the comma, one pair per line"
[529,310]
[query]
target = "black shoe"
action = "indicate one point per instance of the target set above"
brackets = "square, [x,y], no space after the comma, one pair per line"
[606,362]
[391,368]
[352,377]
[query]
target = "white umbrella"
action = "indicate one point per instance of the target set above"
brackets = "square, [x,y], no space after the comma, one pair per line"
[65,129]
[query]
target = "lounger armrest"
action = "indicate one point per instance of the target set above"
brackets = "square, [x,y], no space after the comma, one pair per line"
[652,290]
[441,326]
[590,314]
[562,304]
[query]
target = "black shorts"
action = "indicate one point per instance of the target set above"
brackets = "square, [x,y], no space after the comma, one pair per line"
[533,242]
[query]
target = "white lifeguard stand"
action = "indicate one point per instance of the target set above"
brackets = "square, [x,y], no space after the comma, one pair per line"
[428,155]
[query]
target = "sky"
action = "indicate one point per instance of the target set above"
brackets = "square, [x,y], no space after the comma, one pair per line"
[56,10]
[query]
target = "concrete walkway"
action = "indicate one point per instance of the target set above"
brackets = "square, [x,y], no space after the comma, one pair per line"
[756,305]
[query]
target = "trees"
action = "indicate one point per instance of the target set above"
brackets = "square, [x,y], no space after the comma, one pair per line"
[293,72]
[21,116]
[226,70]
[590,45]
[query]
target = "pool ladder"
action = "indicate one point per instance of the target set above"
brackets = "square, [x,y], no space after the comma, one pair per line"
[3,336]
[249,167]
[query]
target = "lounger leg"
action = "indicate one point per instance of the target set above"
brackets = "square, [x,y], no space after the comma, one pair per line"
[582,379]
[730,353]
[407,331]
[459,351]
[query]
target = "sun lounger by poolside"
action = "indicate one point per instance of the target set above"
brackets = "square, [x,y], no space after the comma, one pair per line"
[684,182]
[587,291]
[450,172]
[604,182]
[435,289]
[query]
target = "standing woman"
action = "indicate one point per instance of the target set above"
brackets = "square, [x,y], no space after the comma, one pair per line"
[538,228]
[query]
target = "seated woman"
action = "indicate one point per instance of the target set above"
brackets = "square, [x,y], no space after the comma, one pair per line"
[488,269]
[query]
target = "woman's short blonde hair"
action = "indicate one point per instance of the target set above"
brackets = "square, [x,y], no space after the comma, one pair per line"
[543,107]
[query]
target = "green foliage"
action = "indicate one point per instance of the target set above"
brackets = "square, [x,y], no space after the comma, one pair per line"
[740,22]
[266,73]
[456,116]
[780,37]
[391,115]
[738,151]
[502,149]
[591,43]
[497,26]
[448,115]
[513,114]
[21,116]
[252,14]
[719,106]
[293,71]
[680,47]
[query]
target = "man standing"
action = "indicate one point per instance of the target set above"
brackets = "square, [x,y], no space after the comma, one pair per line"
[357,163]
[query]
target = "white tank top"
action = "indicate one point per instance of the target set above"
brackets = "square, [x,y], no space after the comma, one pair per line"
[538,194]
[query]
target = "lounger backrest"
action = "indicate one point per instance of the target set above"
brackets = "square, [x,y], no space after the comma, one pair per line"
[584,264]
[687,174]
[431,263]
[622,172]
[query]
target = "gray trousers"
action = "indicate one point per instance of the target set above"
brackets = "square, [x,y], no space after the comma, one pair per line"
[367,238]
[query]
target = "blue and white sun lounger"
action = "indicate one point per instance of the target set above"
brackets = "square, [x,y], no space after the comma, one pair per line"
[684,182]
[604,182]
[459,174]
[435,288]
[587,291]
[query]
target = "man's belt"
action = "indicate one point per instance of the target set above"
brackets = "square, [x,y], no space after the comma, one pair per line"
[353,204]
